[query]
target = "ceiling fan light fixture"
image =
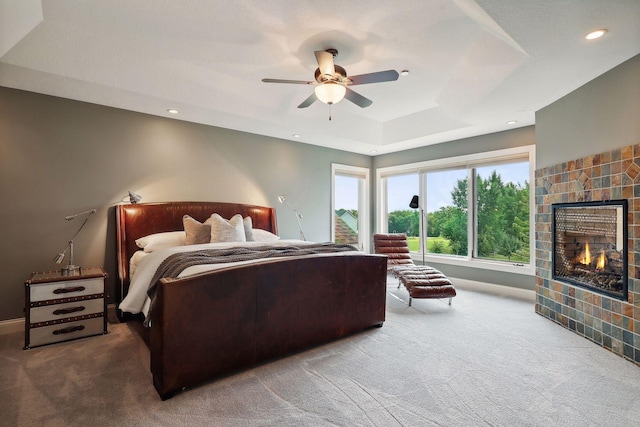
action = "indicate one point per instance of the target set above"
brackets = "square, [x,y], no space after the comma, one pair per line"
[330,92]
[331,81]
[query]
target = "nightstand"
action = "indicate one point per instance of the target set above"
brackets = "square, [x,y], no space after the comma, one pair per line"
[61,308]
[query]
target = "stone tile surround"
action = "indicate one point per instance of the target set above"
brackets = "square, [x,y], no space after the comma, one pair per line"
[607,321]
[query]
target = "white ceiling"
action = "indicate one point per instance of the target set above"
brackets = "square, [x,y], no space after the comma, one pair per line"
[474,65]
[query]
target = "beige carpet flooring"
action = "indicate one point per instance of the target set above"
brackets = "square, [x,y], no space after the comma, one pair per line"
[484,361]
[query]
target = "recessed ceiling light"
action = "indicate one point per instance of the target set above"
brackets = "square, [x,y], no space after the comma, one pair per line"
[404,72]
[512,122]
[172,111]
[296,135]
[374,151]
[596,34]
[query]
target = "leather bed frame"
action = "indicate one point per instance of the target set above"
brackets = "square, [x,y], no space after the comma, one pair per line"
[212,324]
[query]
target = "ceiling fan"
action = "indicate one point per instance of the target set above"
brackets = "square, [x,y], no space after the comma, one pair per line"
[331,81]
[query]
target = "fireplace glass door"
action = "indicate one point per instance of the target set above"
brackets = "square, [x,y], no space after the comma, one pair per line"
[590,246]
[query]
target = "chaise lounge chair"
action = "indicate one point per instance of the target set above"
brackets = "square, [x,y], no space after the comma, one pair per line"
[421,281]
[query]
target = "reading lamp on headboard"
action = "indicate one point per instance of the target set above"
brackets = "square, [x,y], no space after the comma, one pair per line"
[133,197]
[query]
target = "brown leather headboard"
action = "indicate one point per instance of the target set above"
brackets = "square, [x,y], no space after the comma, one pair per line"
[139,220]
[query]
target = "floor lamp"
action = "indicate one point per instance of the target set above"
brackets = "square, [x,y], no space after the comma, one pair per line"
[415,204]
[283,199]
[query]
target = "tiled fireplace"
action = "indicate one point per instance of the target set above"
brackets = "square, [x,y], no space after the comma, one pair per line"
[598,301]
[590,246]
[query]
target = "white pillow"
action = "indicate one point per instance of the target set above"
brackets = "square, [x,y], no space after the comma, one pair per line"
[154,242]
[223,230]
[135,261]
[248,229]
[260,235]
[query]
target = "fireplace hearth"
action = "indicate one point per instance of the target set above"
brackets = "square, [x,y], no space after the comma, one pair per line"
[590,246]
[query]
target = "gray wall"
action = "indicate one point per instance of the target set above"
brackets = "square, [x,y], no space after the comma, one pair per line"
[59,157]
[483,143]
[601,115]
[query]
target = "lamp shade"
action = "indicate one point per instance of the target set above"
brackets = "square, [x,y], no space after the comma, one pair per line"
[414,202]
[330,92]
[134,198]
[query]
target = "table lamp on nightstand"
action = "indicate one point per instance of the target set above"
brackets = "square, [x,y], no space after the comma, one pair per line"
[71,269]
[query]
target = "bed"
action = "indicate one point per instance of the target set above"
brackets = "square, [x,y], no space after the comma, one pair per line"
[216,322]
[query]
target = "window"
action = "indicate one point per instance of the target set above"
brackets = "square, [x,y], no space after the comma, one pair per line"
[350,206]
[401,218]
[502,212]
[446,212]
[471,209]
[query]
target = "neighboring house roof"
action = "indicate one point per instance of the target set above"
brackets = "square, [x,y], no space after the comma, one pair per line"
[344,233]
[349,219]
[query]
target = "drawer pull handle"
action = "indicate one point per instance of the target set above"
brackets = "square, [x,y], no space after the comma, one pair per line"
[68,290]
[61,311]
[68,330]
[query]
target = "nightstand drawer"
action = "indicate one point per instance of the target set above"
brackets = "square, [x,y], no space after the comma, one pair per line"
[66,331]
[62,311]
[66,289]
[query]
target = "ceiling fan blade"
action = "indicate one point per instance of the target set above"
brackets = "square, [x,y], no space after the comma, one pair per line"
[357,99]
[325,62]
[379,77]
[310,100]
[297,82]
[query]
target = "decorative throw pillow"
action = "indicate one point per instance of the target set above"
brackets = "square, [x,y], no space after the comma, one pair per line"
[264,236]
[157,241]
[197,232]
[223,230]
[248,229]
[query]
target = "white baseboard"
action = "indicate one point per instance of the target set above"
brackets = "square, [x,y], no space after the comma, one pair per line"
[11,326]
[490,288]
[17,325]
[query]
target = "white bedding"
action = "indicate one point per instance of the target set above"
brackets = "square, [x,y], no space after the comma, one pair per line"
[143,267]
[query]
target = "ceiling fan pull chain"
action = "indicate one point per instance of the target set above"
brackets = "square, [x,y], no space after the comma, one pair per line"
[329,112]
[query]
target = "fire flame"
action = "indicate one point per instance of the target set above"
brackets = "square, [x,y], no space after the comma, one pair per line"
[601,261]
[586,256]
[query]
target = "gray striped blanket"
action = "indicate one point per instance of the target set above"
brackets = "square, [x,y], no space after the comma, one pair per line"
[175,264]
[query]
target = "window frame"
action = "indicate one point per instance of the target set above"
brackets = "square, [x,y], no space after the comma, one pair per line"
[469,162]
[364,210]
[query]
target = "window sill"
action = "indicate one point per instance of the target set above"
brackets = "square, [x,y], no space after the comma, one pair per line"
[524,269]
